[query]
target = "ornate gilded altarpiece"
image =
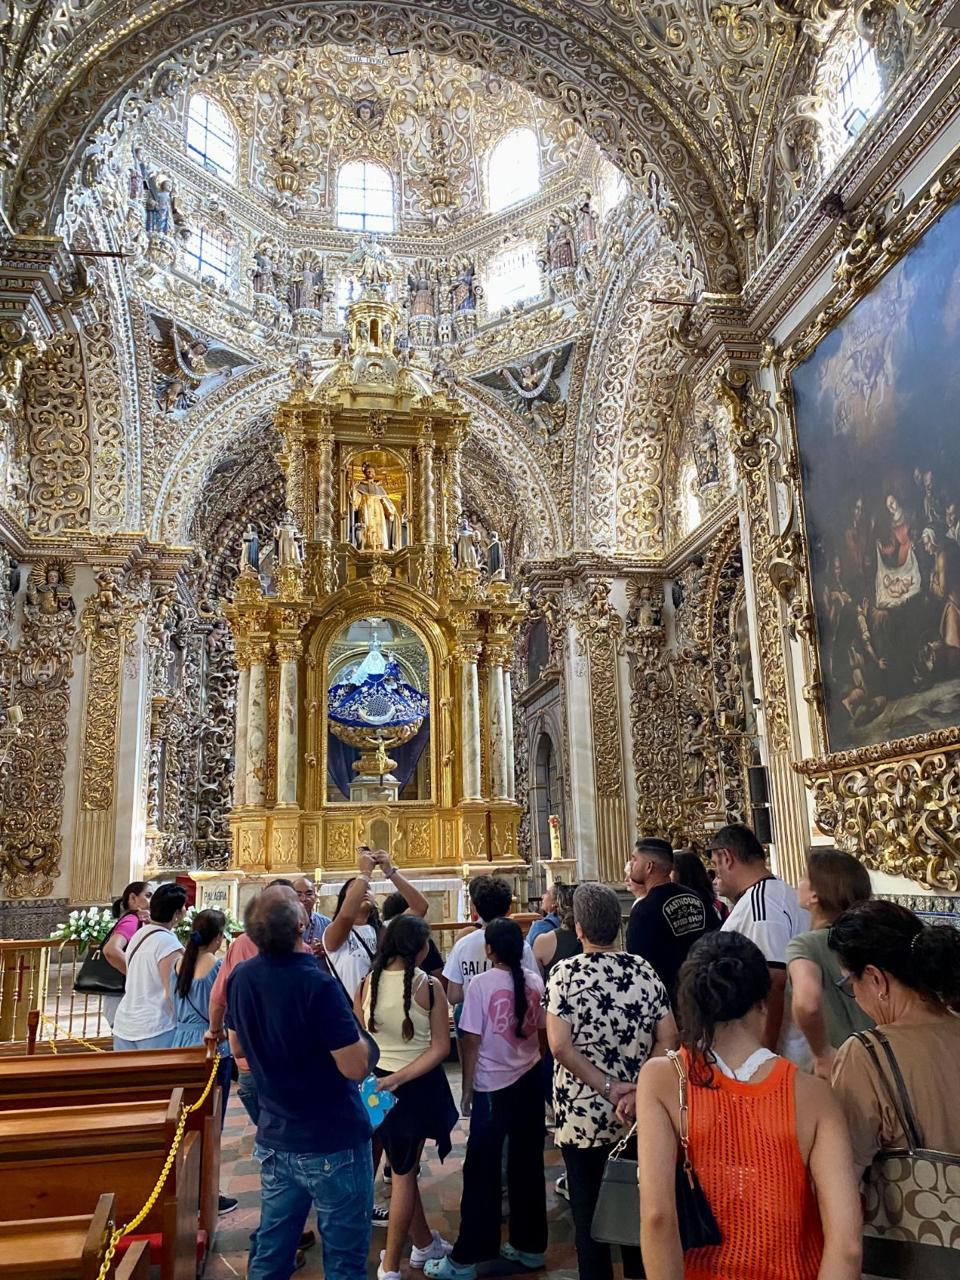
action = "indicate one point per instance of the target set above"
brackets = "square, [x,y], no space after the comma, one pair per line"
[892,791]
[371,456]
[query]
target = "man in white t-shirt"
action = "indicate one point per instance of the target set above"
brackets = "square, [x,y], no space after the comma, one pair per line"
[145,1018]
[767,912]
[491,897]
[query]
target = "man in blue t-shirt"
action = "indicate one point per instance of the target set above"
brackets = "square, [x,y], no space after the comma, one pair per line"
[295,1028]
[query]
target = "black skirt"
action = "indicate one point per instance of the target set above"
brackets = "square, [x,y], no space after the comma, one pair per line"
[425,1111]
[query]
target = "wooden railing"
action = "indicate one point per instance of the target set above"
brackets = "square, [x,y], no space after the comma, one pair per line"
[446,932]
[38,973]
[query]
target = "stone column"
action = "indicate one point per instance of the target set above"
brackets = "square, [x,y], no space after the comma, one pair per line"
[256,761]
[496,715]
[240,738]
[470,720]
[288,653]
[508,734]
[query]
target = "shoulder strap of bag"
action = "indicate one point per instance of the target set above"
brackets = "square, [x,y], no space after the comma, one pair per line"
[140,938]
[899,1099]
[363,942]
[683,1126]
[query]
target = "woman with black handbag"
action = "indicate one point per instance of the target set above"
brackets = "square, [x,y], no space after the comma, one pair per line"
[761,1153]
[104,971]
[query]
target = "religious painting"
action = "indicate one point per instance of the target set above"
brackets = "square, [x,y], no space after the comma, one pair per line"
[378,714]
[876,406]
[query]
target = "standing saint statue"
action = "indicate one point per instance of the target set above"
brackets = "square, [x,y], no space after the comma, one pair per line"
[466,548]
[250,553]
[289,553]
[375,513]
[495,565]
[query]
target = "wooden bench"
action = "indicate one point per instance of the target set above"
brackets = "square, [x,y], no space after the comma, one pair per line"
[148,1075]
[69,1248]
[55,1168]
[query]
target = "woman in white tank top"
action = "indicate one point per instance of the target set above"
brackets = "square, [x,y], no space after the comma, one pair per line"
[407,1014]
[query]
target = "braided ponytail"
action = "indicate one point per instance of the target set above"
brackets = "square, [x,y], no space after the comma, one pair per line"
[404,938]
[505,940]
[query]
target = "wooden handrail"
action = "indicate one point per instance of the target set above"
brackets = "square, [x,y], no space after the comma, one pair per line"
[33,944]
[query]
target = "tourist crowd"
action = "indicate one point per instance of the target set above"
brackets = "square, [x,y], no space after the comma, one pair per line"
[793,1057]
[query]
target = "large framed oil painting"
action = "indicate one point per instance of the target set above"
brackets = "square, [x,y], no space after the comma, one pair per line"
[877,409]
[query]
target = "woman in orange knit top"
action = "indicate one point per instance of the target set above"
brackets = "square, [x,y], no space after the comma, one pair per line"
[769,1144]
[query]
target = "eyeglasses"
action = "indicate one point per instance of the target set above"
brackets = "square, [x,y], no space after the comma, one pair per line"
[845,984]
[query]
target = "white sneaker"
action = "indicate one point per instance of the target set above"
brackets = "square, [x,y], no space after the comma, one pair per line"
[386,1275]
[437,1248]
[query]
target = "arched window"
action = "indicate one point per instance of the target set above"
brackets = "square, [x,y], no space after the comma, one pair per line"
[611,187]
[364,197]
[207,254]
[860,90]
[513,170]
[512,276]
[211,138]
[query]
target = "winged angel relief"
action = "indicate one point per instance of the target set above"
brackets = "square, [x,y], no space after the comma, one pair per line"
[533,390]
[187,365]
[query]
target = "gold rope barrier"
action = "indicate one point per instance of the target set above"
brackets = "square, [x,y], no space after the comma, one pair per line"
[132,1225]
[68,1035]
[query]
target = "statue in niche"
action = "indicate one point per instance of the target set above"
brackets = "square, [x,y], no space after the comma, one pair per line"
[698,781]
[561,254]
[161,213]
[495,562]
[707,455]
[265,273]
[466,548]
[289,549]
[586,221]
[250,550]
[420,289]
[532,390]
[305,292]
[646,613]
[463,293]
[137,175]
[375,513]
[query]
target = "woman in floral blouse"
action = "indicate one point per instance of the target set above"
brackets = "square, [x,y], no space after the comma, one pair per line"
[607,1012]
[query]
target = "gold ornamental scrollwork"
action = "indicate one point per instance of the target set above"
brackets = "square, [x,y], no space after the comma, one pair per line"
[899,816]
[32,815]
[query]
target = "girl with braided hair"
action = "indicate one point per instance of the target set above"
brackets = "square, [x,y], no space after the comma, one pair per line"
[407,1014]
[768,1143]
[501,1040]
[191,984]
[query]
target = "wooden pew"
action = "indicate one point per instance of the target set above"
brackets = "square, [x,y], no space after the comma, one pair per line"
[68,1248]
[58,1166]
[95,1079]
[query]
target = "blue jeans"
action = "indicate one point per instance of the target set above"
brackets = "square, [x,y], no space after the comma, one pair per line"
[163,1041]
[340,1185]
[249,1095]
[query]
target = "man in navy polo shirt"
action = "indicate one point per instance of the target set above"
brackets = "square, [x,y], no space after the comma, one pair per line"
[295,1028]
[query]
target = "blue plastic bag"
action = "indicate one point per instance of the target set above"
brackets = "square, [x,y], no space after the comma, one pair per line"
[377,1101]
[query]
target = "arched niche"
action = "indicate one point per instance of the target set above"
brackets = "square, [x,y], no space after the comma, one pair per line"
[413,612]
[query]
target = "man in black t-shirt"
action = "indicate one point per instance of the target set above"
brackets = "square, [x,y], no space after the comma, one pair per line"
[666,922]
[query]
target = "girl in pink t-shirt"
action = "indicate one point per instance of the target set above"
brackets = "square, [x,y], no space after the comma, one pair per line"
[501,1042]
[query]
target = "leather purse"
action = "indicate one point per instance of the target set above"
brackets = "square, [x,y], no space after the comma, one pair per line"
[97,976]
[616,1217]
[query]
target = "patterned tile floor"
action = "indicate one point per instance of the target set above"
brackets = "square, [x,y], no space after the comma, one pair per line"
[439,1183]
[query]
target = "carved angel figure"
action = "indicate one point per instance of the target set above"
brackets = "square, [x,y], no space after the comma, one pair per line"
[371,262]
[533,390]
[161,213]
[187,365]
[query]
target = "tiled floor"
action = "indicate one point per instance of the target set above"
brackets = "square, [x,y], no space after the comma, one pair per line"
[439,1184]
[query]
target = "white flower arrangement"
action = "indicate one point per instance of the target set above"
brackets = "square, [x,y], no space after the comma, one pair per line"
[83,926]
[185,927]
